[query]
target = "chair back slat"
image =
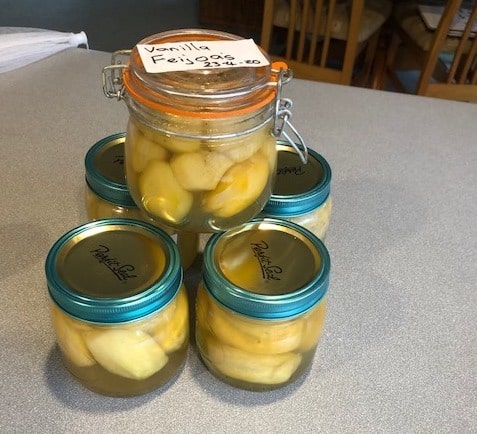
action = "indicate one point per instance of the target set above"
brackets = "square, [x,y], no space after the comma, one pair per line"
[303,29]
[469,64]
[315,31]
[462,70]
[454,74]
[291,29]
[327,33]
[309,42]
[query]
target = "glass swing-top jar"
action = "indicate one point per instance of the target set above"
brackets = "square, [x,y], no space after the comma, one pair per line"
[200,152]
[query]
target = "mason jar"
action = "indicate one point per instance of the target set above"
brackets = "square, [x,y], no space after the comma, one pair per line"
[107,194]
[301,193]
[261,304]
[119,306]
[200,153]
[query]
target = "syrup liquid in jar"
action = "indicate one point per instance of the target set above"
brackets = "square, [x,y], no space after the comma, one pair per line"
[119,307]
[261,304]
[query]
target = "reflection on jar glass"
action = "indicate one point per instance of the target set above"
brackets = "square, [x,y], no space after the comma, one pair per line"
[261,304]
[301,193]
[122,327]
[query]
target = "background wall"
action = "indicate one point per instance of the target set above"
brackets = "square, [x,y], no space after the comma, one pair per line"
[109,24]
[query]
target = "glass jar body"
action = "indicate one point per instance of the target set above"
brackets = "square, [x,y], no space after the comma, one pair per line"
[99,208]
[125,359]
[255,354]
[199,175]
[316,220]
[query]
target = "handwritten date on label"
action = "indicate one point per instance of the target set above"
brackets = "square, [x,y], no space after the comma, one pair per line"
[184,56]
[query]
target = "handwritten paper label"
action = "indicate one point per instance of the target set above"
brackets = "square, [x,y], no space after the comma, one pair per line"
[184,56]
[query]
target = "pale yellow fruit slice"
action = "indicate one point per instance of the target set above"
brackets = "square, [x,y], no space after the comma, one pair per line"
[140,150]
[255,336]
[172,143]
[243,149]
[171,334]
[161,193]
[253,368]
[201,307]
[200,170]
[70,340]
[176,143]
[319,225]
[269,151]
[313,326]
[128,353]
[240,186]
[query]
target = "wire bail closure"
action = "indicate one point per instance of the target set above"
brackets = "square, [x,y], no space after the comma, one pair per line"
[283,116]
[112,76]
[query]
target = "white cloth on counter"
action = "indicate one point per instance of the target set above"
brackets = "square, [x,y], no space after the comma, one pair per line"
[20,46]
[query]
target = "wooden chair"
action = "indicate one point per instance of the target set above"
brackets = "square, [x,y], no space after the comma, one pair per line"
[456,80]
[323,39]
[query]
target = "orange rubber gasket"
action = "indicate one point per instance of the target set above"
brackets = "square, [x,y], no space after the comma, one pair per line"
[207,115]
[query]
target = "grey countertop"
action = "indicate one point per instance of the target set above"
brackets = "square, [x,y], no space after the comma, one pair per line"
[399,350]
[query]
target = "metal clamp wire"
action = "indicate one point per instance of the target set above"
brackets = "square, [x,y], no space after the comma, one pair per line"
[283,115]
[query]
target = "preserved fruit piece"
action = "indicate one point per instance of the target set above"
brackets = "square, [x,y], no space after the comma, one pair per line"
[161,193]
[171,333]
[128,353]
[70,340]
[200,170]
[269,151]
[240,186]
[144,150]
[255,336]
[244,149]
[313,326]
[177,144]
[253,368]
[301,192]
[319,225]
[171,143]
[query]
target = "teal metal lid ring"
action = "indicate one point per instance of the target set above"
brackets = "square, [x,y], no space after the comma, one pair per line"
[113,270]
[104,170]
[289,266]
[304,187]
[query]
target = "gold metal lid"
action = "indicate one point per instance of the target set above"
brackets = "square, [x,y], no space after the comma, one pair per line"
[113,270]
[267,268]
[104,170]
[299,188]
